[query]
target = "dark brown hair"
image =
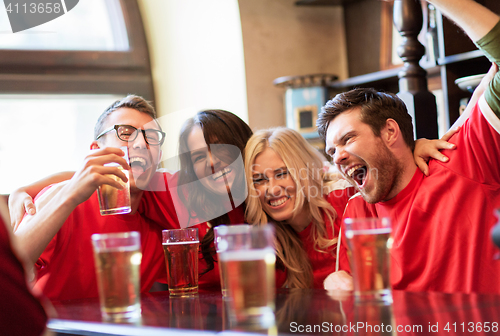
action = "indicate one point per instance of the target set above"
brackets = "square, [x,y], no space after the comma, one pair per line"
[376,107]
[219,127]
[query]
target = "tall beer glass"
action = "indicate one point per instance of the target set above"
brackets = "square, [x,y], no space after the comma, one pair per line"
[249,261]
[117,259]
[223,231]
[114,201]
[369,246]
[181,258]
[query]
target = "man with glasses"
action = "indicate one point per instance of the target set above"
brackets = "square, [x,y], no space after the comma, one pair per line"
[57,238]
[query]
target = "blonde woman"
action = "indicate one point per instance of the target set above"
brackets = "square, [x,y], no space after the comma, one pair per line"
[289,188]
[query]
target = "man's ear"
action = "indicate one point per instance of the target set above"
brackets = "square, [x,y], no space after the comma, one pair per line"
[391,132]
[94,145]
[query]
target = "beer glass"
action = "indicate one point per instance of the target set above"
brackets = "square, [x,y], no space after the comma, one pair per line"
[223,231]
[249,261]
[369,244]
[181,258]
[113,201]
[117,259]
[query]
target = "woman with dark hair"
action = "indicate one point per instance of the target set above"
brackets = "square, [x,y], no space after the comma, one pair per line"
[210,188]
[210,148]
[211,182]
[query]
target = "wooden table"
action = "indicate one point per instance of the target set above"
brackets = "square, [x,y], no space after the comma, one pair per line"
[297,312]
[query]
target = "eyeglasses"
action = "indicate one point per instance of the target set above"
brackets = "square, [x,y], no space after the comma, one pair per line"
[129,133]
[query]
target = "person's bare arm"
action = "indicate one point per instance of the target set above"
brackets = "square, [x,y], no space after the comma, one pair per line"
[21,199]
[426,149]
[54,206]
[475,96]
[475,19]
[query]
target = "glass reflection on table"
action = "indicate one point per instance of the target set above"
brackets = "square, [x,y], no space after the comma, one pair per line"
[298,311]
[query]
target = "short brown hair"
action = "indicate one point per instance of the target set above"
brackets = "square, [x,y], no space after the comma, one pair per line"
[131,101]
[376,107]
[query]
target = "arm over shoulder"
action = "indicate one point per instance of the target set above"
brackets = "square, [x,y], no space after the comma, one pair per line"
[490,45]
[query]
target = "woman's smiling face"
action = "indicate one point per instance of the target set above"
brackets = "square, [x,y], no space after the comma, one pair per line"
[214,174]
[275,186]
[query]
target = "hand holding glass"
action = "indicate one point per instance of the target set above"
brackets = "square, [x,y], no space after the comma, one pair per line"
[113,201]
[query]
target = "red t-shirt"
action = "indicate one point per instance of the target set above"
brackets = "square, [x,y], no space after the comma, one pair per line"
[157,202]
[20,312]
[66,266]
[162,197]
[324,263]
[441,223]
[158,205]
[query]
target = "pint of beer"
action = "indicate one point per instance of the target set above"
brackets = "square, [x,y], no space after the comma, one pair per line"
[249,261]
[117,259]
[113,201]
[226,231]
[369,243]
[181,258]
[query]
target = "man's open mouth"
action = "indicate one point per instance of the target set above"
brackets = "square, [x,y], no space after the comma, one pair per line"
[358,174]
[138,163]
[221,173]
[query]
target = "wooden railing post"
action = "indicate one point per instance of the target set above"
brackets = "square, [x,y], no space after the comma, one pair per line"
[413,89]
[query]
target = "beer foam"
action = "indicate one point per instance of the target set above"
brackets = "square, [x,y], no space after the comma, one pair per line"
[246,255]
[183,243]
[118,249]
[370,231]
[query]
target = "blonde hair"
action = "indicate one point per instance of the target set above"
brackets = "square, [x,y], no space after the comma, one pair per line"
[305,166]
